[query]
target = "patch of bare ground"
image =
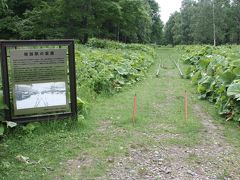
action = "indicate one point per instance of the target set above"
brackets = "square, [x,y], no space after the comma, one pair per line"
[107,126]
[212,158]
[104,125]
[74,167]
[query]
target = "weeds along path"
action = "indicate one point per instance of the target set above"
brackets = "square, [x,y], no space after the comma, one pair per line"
[161,145]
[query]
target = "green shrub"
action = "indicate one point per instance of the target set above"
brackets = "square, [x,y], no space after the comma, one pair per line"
[107,44]
[107,66]
[216,72]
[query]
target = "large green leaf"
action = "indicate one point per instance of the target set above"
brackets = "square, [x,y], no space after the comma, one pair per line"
[219,61]
[234,91]
[220,81]
[206,80]
[196,77]
[236,71]
[204,63]
[235,63]
[121,71]
[227,76]
[201,89]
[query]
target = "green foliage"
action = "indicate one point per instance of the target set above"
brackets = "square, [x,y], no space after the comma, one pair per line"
[107,66]
[30,127]
[129,21]
[215,71]
[157,24]
[136,21]
[194,23]
[234,90]
[80,103]
[101,43]
[36,23]
[82,107]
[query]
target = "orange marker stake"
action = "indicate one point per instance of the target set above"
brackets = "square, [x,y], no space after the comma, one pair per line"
[185,105]
[134,109]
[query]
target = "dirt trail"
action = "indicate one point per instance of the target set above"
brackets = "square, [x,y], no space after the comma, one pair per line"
[213,158]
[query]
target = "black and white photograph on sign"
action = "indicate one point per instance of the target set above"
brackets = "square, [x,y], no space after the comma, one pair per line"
[40,95]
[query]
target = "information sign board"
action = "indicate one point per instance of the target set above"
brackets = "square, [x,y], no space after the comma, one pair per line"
[41,83]
[39,80]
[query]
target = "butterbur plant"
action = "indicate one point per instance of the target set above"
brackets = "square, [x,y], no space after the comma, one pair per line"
[216,71]
[108,66]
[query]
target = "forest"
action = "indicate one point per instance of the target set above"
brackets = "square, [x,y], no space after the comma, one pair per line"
[196,21]
[122,20]
[130,21]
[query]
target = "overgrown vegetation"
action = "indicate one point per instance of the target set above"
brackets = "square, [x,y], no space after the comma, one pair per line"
[106,66]
[216,72]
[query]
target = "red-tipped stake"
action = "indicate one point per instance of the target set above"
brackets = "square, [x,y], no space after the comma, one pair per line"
[134,109]
[185,105]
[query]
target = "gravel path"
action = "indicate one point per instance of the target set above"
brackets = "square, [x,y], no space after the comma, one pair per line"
[213,158]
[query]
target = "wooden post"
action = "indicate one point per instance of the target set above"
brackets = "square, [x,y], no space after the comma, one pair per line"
[134,109]
[185,105]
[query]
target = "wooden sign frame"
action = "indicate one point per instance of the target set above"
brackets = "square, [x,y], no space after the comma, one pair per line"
[4,45]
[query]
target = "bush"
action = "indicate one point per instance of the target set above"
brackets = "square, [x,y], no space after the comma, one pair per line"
[216,72]
[107,66]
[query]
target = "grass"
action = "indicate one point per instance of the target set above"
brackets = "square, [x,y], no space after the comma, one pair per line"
[231,130]
[66,149]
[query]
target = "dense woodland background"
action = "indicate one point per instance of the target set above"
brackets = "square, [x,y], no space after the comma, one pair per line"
[127,21]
